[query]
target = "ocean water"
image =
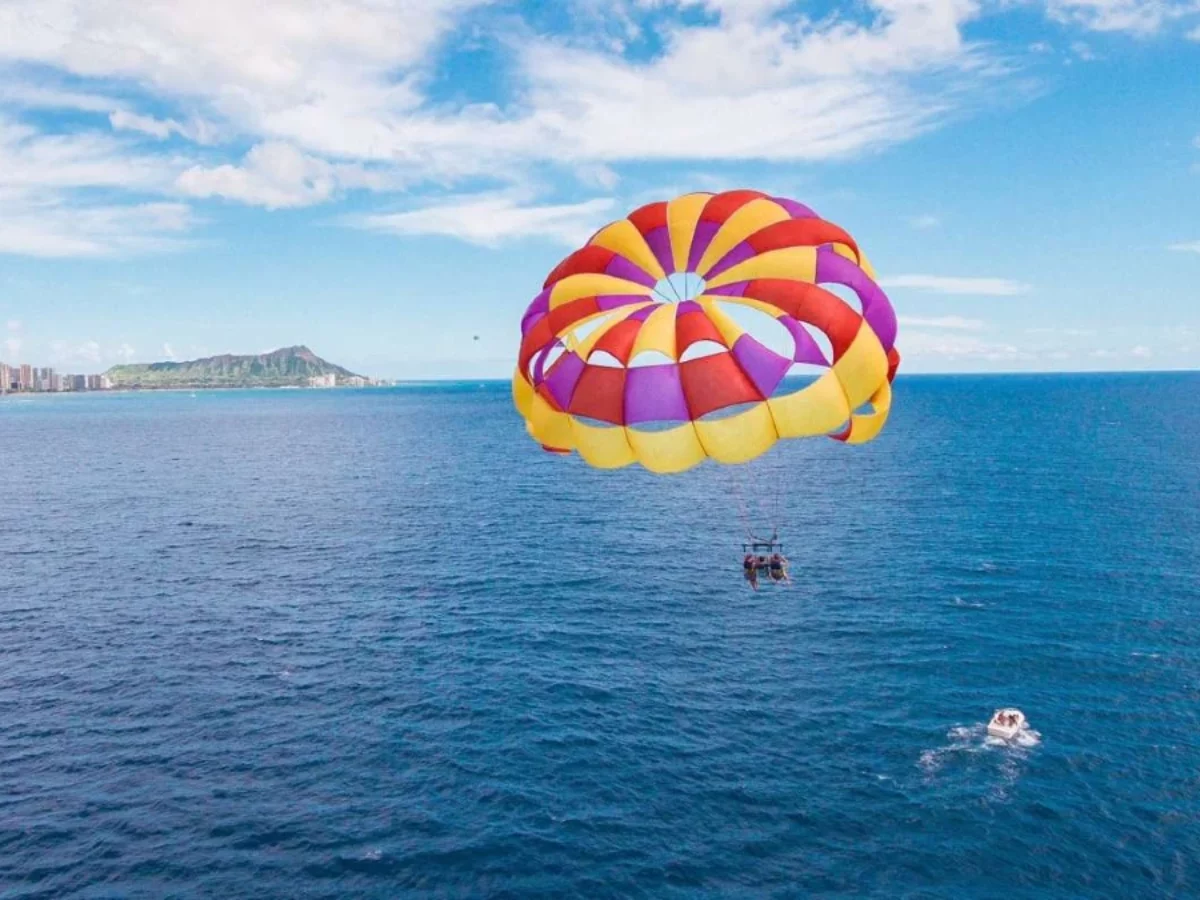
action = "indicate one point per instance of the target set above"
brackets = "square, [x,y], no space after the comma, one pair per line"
[377,644]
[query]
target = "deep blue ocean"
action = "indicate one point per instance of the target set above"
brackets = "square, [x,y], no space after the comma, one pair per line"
[377,644]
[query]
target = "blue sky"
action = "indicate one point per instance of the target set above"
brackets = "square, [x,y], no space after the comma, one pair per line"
[385,179]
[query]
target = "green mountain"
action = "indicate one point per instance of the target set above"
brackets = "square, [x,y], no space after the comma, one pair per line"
[289,367]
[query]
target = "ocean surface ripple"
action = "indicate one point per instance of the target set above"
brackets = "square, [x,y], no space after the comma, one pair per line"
[377,644]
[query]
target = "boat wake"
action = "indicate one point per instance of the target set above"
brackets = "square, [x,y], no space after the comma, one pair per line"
[967,604]
[970,748]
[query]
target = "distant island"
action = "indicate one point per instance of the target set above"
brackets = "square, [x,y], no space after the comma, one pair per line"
[288,367]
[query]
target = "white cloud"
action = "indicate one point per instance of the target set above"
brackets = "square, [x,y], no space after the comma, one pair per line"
[67,353]
[277,175]
[1186,247]
[952,346]
[42,214]
[1062,332]
[1040,47]
[940,284]
[51,228]
[1194,34]
[37,96]
[1139,17]
[796,90]
[236,54]
[336,95]
[124,353]
[33,160]
[273,175]
[13,325]
[197,130]
[492,218]
[954,323]
[12,346]
[344,79]
[168,353]
[1139,352]
[1083,51]
[924,221]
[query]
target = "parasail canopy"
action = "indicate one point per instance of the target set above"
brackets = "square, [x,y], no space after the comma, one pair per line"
[640,347]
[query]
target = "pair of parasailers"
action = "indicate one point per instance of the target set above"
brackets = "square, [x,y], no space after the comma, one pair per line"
[776,566]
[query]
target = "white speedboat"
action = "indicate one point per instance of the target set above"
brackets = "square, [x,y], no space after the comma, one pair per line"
[1006,724]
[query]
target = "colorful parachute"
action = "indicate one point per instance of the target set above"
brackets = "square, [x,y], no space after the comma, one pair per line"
[608,366]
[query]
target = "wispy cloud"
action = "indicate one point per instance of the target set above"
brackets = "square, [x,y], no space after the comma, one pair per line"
[196,130]
[942,284]
[952,346]
[67,353]
[1083,51]
[53,228]
[1061,332]
[334,96]
[1138,17]
[1186,247]
[493,218]
[924,221]
[954,323]
[37,96]
[277,175]
[47,186]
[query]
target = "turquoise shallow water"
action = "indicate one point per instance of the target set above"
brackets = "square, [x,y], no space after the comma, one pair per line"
[308,644]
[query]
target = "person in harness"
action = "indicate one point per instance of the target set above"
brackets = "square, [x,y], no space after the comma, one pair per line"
[778,568]
[750,570]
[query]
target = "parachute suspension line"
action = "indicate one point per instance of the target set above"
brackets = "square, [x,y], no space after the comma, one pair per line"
[775,510]
[752,514]
[735,482]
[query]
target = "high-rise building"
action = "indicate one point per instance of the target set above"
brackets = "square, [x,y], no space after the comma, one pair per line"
[79,382]
[26,377]
[5,378]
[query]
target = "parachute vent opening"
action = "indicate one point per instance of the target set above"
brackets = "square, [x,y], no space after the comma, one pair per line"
[821,339]
[727,412]
[650,358]
[580,331]
[553,356]
[763,327]
[546,359]
[679,286]
[846,294]
[798,377]
[604,360]
[701,349]
[661,425]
